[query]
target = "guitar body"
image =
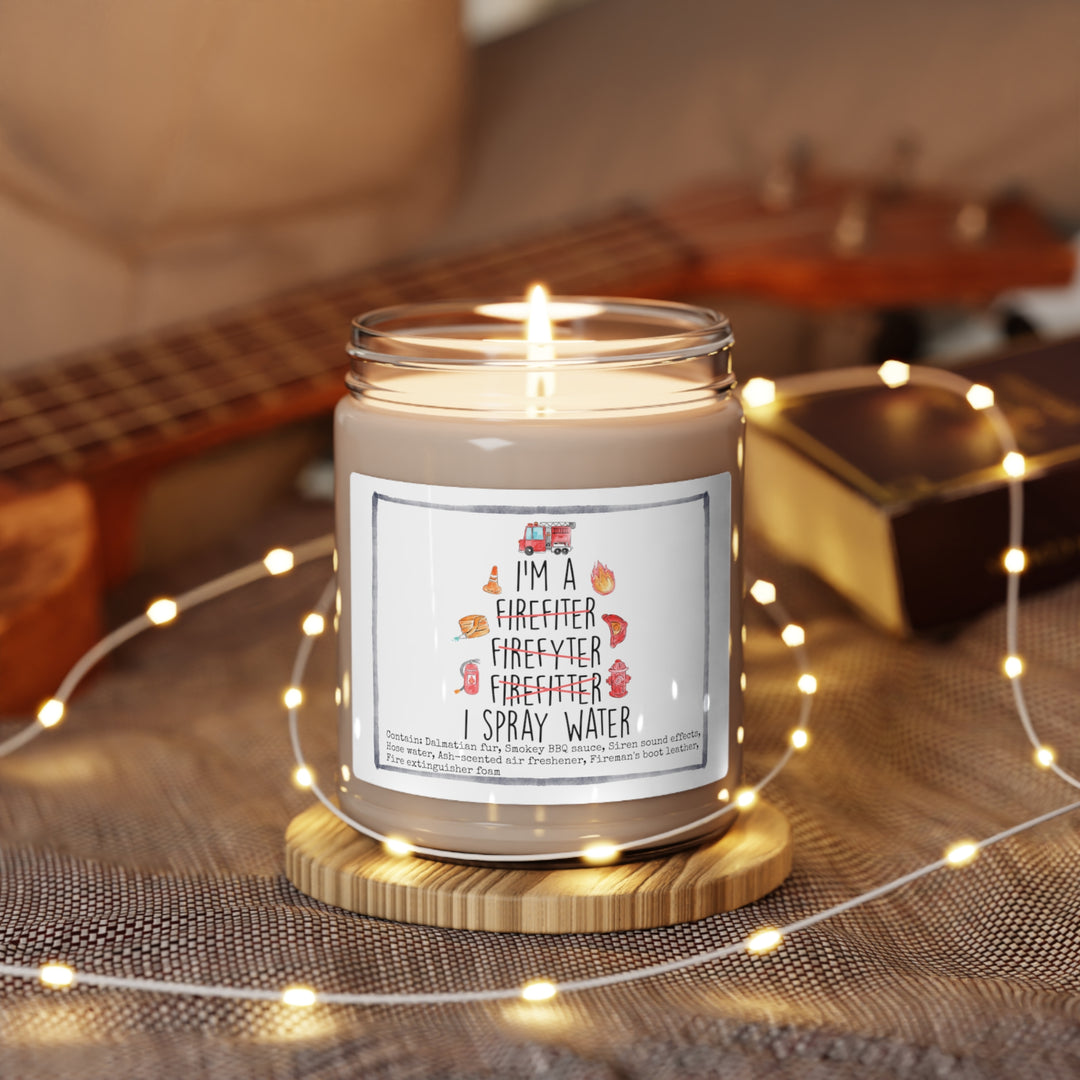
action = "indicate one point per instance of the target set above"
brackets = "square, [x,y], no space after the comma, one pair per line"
[50,590]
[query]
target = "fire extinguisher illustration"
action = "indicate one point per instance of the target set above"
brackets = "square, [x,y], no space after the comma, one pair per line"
[470,675]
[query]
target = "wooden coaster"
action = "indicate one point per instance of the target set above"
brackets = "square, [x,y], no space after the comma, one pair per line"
[332,862]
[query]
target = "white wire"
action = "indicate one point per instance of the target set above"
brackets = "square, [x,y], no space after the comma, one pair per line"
[210,590]
[843,379]
[573,985]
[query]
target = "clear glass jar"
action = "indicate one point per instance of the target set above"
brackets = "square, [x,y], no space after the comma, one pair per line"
[565,518]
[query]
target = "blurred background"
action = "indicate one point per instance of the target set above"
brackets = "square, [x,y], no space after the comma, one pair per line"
[161,161]
[866,181]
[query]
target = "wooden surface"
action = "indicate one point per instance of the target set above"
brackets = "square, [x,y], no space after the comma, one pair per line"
[327,860]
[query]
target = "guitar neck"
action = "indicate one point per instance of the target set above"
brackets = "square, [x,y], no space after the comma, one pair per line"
[150,400]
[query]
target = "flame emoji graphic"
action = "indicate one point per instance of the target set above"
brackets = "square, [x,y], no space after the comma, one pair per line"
[603,580]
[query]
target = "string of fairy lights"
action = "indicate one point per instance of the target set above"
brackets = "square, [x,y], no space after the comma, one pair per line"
[757,393]
[595,853]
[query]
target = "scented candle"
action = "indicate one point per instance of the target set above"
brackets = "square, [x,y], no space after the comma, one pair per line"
[539,575]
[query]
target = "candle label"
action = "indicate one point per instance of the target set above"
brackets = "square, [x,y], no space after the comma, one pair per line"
[556,646]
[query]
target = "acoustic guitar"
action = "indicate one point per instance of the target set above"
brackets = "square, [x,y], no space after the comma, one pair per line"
[82,437]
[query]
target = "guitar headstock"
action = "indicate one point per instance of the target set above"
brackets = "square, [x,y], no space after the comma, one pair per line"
[828,242]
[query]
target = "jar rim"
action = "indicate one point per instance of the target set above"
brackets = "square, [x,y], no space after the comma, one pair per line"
[450,333]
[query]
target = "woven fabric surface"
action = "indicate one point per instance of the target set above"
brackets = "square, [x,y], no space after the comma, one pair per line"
[144,838]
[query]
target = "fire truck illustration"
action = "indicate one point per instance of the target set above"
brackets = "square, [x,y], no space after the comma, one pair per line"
[553,536]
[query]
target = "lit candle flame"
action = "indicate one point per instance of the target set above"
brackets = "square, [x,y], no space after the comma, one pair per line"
[538,325]
[540,337]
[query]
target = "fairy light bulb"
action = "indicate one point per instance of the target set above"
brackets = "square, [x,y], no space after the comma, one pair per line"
[303,777]
[51,713]
[1045,757]
[162,611]
[764,941]
[793,635]
[1015,560]
[979,396]
[293,697]
[962,853]
[539,990]
[807,684]
[56,975]
[1014,464]
[894,373]
[764,592]
[397,847]
[722,795]
[1013,667]
[278,561]
[740,734]
[800,738]
[313,625]
[746,798]
[299,997]
[758,392]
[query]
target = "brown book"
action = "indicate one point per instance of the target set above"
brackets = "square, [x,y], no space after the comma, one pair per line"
[896,497]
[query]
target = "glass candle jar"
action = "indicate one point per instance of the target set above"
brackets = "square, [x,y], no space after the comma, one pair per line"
[539,575]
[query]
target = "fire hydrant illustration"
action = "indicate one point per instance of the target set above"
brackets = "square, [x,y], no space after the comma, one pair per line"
[618,678]
[470,677]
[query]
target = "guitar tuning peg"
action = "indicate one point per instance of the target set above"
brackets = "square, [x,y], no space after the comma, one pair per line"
[785,182]
[778,188]
[900,173]
[852,228]
[972,222]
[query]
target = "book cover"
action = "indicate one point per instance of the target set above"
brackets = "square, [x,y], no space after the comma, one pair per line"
[896,497]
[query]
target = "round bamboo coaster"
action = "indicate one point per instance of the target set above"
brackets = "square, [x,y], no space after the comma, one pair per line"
[329,861]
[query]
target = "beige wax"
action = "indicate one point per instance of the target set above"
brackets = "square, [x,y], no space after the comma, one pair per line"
[539,449]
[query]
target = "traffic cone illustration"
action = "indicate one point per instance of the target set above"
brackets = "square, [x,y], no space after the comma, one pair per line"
[493,585]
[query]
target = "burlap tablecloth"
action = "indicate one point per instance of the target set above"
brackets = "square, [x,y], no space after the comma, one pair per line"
[144,837]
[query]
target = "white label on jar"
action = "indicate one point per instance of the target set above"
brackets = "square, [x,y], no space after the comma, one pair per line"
[532,646]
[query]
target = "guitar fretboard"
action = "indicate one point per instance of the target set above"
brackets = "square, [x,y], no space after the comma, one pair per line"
[284,359]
